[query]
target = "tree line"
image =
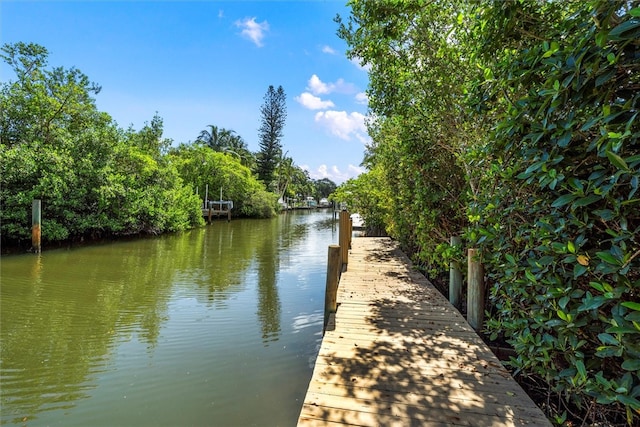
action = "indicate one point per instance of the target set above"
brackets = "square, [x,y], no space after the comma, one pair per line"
[98,180]
[515,125]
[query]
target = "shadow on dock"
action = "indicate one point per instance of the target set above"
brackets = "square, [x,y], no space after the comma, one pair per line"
[398,354]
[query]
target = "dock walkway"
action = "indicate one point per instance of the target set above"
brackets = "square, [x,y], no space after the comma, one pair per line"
[397,353]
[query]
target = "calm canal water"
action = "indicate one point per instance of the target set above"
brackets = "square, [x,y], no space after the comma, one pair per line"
[218,326]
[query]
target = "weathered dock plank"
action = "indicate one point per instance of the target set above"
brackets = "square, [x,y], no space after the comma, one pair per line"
[396,353]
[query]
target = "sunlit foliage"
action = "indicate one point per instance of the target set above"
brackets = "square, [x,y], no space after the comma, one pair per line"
[516,124]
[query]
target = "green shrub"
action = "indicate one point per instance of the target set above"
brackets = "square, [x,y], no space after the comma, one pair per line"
[260,204]
[559,217]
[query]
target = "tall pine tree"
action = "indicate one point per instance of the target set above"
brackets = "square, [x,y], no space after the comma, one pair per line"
[274,114]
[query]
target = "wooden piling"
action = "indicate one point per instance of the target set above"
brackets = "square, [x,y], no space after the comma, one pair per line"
[344,238]
[475,290]
[455,277]
[333,277]
[36,220]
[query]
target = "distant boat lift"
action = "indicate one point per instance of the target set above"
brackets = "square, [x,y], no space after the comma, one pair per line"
[217,207]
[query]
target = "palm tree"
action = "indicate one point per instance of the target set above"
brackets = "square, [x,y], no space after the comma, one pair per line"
[284,173]
[211,137]
[227,141]
[226,137]
[235,144]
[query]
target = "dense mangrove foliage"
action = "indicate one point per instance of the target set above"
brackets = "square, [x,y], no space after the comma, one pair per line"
[515,124]
[96,179]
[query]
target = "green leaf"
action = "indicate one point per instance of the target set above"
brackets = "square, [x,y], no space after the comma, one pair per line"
[608,257]
[629,401]
[534,167]
[635,11]
[608,351]
[608,339]
[571,247]
[563,200]
[567,372]
[563,302]
[584,201]
[590,123]
[631,365]
[617,161]
[546,260]
[564,140]
[625,27]
[621,330]
[604,78]
[579,270]
[530,276]
[629,202]
[631,305]
[581,369]
[590,303]
[576,184]
[633,316]
[604,214]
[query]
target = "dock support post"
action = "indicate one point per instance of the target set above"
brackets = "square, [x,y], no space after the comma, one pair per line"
[333,277]
[210,212]
[475,290]
[36,217]
[344,238]
[455,277]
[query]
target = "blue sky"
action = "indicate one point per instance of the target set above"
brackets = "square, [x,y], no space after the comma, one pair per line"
[211,62]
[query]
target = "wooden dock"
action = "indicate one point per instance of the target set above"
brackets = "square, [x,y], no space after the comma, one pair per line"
[398,354]
[217,208]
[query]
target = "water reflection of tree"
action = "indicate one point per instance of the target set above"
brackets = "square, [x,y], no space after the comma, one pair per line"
[276,245]
[225,254]
[58,328]
[62,315]
[268,264]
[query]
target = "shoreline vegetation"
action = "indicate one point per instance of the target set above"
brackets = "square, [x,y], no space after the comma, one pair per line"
[98,181]
[514,125]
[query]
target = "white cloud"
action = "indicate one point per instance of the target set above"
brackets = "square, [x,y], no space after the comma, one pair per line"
[328,49]
[318,87]
[334,173]
[344,125]
[357,61]
[362,98]
[313,102]
[355,170]
[254,31]
[221,13]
